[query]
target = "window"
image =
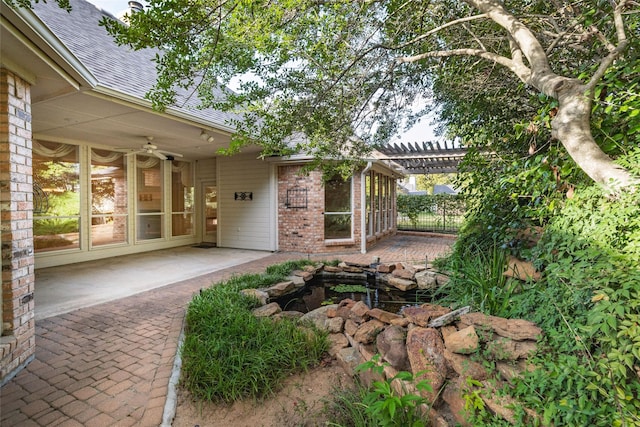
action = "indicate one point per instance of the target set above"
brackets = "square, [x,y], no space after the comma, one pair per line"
[149,212]
[181,199]
[337,206]
[109,205]
[56,183]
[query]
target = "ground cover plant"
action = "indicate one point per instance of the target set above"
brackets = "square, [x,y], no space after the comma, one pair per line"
[229,354]
[587,302]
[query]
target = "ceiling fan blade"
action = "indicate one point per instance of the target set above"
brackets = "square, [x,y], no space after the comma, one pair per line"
[170,153]
[159,155]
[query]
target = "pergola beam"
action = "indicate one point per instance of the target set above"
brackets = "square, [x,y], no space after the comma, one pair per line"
[425,157]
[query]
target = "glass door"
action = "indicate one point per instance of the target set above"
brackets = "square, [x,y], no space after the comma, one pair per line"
[210,214]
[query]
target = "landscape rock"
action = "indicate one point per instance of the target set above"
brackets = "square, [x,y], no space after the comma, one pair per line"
[425,350]
[280,289]
[349,359]
[350,327]
[368,331]
[258,294]
[422,314]
[359,312]
[337,343]
[291,315]
[404,273]
[515,329]
[453,394]
[402,284]
[465,366]
[426,280]
[267,310]
[318,316]
[332,269]
[507,349]
[464,341]
[334,325]
[297,281]
[442,279]
[521,270]
[391,345]
[382,315]
[386,268]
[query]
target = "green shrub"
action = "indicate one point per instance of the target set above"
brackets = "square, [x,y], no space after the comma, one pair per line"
[229,354]
[477,279]
[380,405]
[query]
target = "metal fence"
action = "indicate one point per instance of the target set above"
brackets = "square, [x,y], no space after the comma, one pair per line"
[435,213]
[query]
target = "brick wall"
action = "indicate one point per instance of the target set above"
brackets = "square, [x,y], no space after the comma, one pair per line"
[301,229]
[17,341]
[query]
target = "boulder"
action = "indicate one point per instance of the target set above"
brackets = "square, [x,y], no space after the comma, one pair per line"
[425,351]
[382,315]
[391,345]
[349,358]
[386,268]
[404,273]
[515,329]
[337,343]
[465,366]
[522,270]
[422,314]
[402,284]
[453,394]
[464,341]
[350,327]
[258,294]
[426,280]
[507,349]
[297,281]
[267,310]
[291,315]
[368,331]
[280,289]
[334,325]
[318,316]
[306,276]
[359,312]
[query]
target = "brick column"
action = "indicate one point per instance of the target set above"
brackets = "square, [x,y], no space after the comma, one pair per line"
[17,341]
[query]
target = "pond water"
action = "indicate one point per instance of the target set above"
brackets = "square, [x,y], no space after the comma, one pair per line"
[376,294]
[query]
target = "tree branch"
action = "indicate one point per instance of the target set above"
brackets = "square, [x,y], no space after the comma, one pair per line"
[519,69]
[442,27]
[622,45]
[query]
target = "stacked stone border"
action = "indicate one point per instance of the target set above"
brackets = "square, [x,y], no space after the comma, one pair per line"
[450,349]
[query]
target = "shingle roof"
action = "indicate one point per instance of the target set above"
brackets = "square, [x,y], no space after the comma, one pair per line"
[118,68]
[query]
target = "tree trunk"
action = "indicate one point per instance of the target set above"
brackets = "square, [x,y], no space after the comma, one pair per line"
[572,127]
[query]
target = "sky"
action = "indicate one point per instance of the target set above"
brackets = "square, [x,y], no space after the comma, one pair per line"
[420,132]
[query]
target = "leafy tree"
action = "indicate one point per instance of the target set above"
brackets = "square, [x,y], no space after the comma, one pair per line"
[334,69]
[426,182]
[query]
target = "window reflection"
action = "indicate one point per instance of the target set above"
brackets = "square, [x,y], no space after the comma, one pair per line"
[56,219]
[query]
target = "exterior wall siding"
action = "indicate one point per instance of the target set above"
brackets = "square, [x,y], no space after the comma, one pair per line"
[17,340]
[247,224]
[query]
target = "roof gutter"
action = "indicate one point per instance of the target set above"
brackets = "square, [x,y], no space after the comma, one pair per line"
[51,50]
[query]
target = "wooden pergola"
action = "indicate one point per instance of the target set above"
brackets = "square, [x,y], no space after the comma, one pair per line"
[424,158]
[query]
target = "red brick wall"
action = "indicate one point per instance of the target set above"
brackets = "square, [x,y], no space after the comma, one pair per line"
[17,341]
[302,229]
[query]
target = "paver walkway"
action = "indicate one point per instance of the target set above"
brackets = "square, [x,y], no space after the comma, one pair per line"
[109,364]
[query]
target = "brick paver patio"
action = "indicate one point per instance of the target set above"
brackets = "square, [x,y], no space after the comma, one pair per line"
[109,365]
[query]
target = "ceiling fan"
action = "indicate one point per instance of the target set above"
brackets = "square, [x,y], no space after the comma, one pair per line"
[152,149]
